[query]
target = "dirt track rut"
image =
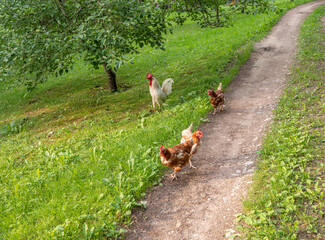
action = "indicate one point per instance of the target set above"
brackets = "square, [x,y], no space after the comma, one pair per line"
[203,203]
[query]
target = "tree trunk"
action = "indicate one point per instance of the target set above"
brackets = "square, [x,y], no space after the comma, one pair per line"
[112,86]
[217,15]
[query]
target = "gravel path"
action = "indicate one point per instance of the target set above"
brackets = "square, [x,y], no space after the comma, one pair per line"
[203,203]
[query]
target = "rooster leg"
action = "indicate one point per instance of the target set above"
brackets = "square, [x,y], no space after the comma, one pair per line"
[214,112]
[153,105]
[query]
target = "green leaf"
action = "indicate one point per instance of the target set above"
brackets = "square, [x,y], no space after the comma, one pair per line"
[128,213]
[268,204]
[248,220]
[59,228]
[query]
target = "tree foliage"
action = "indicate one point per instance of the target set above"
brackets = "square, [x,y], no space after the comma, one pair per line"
[211,13]
[41,37]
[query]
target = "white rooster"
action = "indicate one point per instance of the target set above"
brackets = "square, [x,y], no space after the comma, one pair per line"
[158,93]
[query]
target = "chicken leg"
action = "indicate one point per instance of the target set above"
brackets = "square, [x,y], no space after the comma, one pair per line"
[174,176]
[191,166]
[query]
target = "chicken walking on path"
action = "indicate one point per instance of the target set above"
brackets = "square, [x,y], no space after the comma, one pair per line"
[204,203]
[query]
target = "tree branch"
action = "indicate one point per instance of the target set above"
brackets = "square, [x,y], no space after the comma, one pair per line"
[76,15]
[59,3]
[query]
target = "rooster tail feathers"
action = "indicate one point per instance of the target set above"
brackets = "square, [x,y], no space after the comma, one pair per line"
[167,86]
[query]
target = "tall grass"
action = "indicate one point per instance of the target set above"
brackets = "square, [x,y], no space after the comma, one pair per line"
[75,159]
[287,200]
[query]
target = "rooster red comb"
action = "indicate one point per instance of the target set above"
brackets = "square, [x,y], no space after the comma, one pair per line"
[149,76]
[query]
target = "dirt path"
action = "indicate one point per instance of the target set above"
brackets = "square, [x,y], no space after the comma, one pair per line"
[203,203]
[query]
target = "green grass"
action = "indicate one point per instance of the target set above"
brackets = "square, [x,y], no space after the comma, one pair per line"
[75,159]
[287,199]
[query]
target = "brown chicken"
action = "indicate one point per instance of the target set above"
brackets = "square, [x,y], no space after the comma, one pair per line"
[178,156]
[196,141]
[187,136]
[217,98]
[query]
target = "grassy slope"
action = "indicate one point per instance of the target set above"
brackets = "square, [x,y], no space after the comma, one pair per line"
[84,179]
[287,200]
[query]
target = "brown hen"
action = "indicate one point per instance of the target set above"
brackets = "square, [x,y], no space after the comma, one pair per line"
[217,98]
[178,156]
